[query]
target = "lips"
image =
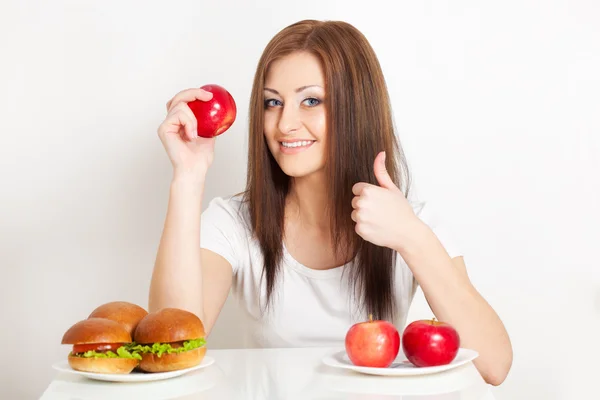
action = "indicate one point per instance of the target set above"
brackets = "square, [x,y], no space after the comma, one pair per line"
[297,143]
[295,146]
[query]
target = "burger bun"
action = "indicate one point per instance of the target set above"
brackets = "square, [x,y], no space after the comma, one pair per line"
[126,313]
[172,362]
[96,330]
[169,325]
[103,365]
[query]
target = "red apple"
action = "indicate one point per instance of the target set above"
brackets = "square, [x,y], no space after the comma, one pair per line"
[372,343]
[216,115]
[429,343]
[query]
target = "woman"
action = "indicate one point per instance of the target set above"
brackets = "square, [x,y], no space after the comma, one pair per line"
[323,235]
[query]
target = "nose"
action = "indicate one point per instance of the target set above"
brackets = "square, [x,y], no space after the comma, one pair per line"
[289,120]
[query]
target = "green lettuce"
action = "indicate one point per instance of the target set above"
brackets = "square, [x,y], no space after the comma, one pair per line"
[122,352]
[165,348]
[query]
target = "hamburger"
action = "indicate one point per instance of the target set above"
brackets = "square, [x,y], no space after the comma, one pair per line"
[100,345]
[169,339]
[128,314]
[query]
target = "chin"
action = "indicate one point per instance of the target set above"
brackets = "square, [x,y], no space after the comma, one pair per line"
[298,165]
[299,171]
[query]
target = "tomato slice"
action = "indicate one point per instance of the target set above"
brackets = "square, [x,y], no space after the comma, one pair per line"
[99,347]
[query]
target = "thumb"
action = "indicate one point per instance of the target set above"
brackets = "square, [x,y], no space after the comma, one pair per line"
[383,178]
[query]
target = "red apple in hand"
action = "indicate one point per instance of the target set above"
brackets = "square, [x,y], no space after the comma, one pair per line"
[216,115]
[372,343]
[429,343]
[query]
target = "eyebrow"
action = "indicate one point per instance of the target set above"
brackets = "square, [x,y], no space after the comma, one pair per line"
[300,89]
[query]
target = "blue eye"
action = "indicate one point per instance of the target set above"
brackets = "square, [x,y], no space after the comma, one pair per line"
[312,102]
[272,103]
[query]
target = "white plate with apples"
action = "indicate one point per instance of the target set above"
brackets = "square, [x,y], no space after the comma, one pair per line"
[426,347]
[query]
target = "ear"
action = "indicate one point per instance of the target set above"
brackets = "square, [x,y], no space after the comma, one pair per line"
[383,178]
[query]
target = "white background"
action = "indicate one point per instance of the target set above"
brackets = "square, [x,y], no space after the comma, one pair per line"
[497,105]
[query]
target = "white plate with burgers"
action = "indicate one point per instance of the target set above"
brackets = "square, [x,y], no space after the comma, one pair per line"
[134,376]
[121,342]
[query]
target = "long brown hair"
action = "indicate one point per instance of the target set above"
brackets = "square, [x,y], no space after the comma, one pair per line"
[359,126]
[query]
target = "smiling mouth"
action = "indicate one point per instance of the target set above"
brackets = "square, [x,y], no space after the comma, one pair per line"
[299,143]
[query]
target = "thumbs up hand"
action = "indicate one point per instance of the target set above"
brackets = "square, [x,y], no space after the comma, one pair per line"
[382,214]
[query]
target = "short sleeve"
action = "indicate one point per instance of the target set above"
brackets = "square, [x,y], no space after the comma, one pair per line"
[221,230]
[427,214]
[431,218]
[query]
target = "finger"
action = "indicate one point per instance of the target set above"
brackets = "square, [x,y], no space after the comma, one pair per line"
[358,188]
[189,95]
[383,178]
[182,114]
[355,202]
[359,229]
[191,129]
[354,215]
[183,120]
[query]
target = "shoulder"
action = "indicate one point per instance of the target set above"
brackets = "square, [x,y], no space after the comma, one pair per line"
[430,214]
[426,211]
[227,216]
[230,203]
[225,229]
[231,208]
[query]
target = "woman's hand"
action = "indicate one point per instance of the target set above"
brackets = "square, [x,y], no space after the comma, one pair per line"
[382,214]
[190,154]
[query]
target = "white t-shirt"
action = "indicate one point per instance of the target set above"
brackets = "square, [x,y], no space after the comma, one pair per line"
[311,307]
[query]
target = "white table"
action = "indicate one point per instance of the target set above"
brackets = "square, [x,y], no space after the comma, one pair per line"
[278,374]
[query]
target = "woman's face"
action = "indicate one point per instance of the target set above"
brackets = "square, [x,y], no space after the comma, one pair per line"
[295,126]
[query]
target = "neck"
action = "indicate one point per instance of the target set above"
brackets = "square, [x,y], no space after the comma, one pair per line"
[307,201]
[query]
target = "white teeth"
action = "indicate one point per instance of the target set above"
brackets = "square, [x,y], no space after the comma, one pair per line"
[296,144]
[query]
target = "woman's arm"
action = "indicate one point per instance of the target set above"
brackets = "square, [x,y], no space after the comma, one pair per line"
[186,276]
[454,300]
[384,217]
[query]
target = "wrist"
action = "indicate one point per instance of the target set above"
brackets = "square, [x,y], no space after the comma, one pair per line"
[188,184]
[188,178]
[417,235]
